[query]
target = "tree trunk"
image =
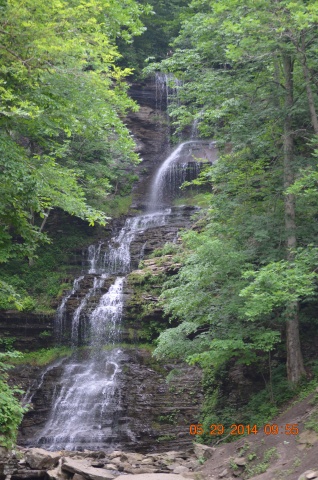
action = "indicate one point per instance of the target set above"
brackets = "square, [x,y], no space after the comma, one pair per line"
[295,366]
[310,97]
[46,216]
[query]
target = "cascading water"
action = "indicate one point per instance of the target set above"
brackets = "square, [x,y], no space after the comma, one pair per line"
[178,167]
[86,407]
[86,404]
[93,256]
[60,317]
[167,87]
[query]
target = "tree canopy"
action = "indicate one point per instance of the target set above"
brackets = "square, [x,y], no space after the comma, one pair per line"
[249,77]
[63,97]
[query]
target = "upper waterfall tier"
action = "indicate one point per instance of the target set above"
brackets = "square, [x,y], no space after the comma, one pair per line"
[183,164]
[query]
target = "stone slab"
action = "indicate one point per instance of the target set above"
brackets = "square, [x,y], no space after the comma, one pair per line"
[82,468]
[151,476]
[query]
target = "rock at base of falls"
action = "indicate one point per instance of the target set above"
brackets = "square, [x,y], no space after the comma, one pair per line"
[83,468]
[97,465]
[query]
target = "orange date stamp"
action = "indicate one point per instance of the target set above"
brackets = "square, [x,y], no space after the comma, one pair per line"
[241,429]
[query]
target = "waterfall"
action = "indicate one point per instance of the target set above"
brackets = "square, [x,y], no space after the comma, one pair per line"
[86,405]
[60,317]
[86,410]
[83,409]
[93,257]
[167,87]
[179,167]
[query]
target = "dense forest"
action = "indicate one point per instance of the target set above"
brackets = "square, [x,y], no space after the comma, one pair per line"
[248,72]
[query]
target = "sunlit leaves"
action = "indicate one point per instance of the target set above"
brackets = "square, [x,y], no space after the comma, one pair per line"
[279,284]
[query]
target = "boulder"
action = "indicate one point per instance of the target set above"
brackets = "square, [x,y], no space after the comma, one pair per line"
[39,459]
[180,469]
[57,474]
[308,475]
[27,474]
[115,453]
[203,451]
[134,457]
[224,473]
[77,476]
[82,468]
[240,461]
[147,461]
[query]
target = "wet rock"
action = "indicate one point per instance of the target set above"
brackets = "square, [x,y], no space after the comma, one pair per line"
[28,474]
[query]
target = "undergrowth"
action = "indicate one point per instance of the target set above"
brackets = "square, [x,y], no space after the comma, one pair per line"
[49,275]
[42,357]
[261,408]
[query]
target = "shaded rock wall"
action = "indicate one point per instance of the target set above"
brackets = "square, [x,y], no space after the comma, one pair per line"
[150,128]
[30,331]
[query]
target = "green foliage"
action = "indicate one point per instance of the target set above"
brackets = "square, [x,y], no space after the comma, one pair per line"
[42,357]
[261,408]
[51,273]
[63,143]
[280,283]
[268,456]
[247,71]
[311,423]
[11,412]
[161,27]
[7,342]
[167,249]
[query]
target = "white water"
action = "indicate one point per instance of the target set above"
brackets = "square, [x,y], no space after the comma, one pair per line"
[167,86]
[179,166]
[84,406]
[60,317]
[93,257]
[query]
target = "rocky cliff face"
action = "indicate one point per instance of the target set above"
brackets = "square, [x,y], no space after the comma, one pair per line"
[151,132]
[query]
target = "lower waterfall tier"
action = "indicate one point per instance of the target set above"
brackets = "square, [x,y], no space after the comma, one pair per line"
[145,412]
